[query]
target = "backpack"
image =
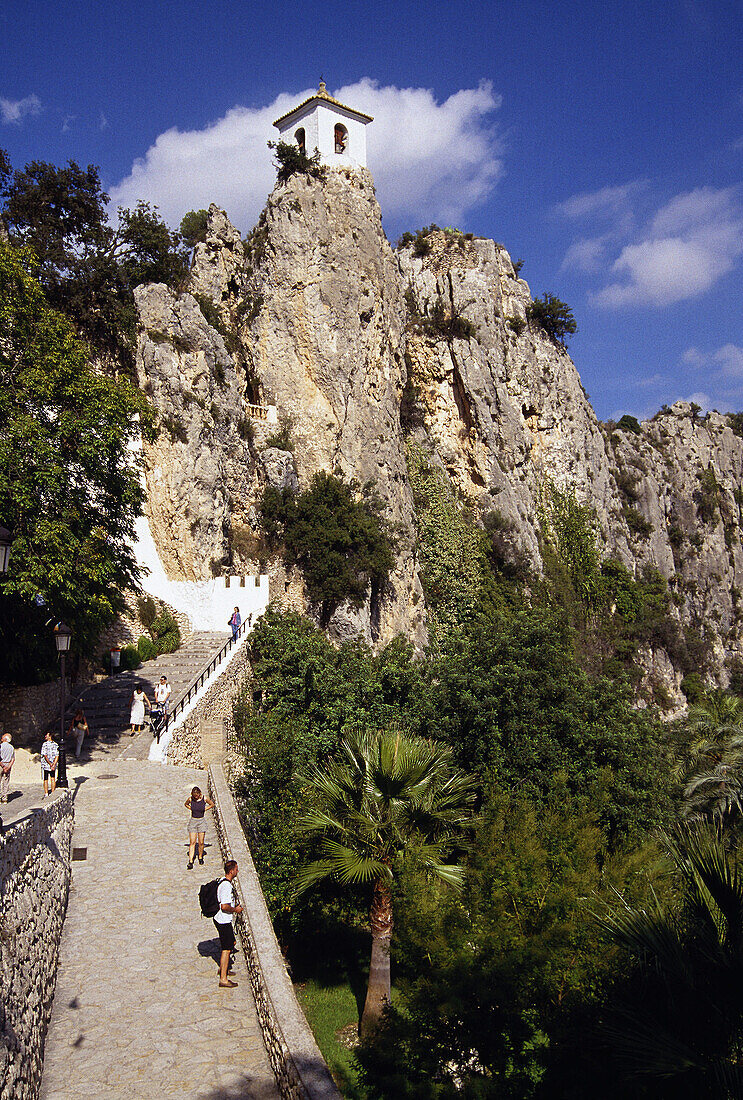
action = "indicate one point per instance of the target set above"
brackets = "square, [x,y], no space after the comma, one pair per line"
[208,897]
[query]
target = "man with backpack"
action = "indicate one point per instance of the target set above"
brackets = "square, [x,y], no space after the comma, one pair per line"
[223,921]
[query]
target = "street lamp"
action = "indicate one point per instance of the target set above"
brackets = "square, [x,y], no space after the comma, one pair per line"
[6,540]
[62,638]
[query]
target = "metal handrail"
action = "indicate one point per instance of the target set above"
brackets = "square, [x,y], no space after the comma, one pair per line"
[194,686]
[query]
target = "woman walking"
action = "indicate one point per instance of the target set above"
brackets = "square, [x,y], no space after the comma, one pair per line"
[235,622]
[198,804]
[78,728]
[136,717]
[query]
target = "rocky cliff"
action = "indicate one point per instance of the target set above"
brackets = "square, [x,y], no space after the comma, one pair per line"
[359,348]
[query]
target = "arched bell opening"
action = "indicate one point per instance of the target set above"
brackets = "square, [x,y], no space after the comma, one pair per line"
[301,140]
[340,136]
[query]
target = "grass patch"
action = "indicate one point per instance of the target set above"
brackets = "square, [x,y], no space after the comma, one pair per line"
[330,1010]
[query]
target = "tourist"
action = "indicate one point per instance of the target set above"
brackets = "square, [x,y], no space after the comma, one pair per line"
[7,760]
[234,621]
[223,921]
[163,691]
[198,804]
[49,761]
[78,728]
[136,717]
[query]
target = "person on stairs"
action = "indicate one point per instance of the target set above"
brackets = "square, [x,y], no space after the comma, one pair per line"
[136,717]
[198,804]
[235,621]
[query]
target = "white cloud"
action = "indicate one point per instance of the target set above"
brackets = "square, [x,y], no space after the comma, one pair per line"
[586,254]
[430,161]
[608,202]
[730,358]
[688,245]
[67,123]
[15,110]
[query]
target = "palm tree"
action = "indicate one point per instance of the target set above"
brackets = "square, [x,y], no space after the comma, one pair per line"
[678,1024]
[388,795]
[713,781]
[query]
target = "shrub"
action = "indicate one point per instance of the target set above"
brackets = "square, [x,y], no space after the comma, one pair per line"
[282,439]
[707,496]
[290,160]
[555,317]
[516,324]
[165,632]
[637,523]
[130,658]
[630,424]
[518,264]
[449,323]
[693,687]
[146,648]
[147,611]
[735,421]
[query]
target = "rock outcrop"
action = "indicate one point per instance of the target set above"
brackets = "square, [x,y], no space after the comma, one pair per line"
[314,314]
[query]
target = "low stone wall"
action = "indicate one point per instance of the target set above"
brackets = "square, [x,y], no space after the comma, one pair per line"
[194,744]
[301,1071]
[34,885]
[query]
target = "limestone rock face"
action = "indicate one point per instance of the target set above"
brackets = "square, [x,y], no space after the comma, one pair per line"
[198,466]
[359,349]
[328,347]
[504,407]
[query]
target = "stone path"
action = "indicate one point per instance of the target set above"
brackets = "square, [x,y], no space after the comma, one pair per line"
[138,1013]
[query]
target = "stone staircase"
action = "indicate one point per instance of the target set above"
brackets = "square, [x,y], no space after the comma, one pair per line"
[107,704]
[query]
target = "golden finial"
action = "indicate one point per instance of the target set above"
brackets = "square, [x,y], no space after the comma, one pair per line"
[321,89]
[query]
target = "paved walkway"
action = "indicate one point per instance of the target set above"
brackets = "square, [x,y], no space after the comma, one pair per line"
[138,1013]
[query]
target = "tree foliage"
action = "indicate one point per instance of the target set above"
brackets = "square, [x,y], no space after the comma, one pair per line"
[291,160]
[69,489]
[87,267]
[337,539]
[554,317]
[193,227]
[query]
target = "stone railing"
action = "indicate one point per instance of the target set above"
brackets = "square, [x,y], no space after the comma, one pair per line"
[301,1071]
[34,886]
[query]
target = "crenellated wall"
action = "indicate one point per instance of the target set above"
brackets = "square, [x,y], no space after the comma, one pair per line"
[34,885]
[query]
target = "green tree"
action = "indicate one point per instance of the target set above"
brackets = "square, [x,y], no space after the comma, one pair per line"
[554,316]
[69,489]
[338,540]
[676,1024]
[193,227]
[389,795]
[87,267]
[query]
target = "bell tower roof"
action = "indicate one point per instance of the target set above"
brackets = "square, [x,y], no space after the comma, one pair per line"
[321,97]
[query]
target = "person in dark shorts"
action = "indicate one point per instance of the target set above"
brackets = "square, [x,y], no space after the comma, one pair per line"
[198,804]
[223,921]
[49,761]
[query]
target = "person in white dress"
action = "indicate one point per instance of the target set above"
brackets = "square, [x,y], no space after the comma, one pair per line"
[136,717]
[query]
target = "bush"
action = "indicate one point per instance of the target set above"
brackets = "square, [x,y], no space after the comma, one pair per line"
[147,611]
[637,523]
[129,659]
[516,324]
[555,317]
[165,632]
[146,648]
[290,160]
[707,496]
[282,439]
[693,687]
[630,424]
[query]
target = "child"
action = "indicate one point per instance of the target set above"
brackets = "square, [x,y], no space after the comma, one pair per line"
[49,758]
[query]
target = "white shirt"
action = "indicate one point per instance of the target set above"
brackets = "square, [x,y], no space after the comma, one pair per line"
[162,693]
[7,753]
[225,896]
[49,753]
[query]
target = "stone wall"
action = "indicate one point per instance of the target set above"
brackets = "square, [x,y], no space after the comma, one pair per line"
[301,1071]
[34,885]
[25,712]
[194,744]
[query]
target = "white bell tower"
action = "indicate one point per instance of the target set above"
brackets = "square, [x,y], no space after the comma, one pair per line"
[323,123]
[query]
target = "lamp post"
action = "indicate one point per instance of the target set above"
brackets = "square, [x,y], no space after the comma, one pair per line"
[62,637]
[6,540]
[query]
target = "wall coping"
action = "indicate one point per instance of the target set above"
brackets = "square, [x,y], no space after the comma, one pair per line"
[301,1070]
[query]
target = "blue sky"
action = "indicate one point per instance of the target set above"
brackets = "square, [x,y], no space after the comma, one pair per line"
[603,144]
